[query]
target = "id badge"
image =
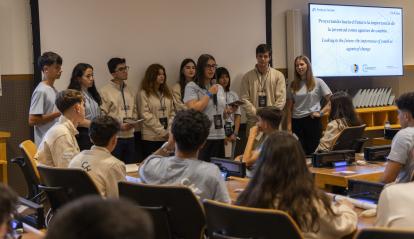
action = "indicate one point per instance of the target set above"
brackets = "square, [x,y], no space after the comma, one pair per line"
[228,130]
[164,122]
[218,122]
[262,101]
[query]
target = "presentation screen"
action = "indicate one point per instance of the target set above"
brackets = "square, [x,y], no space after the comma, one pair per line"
[356,40]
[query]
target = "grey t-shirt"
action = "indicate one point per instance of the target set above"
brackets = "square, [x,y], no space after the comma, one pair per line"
[43,102]
[203,178]
[401,146]
[194,92]
[307,102]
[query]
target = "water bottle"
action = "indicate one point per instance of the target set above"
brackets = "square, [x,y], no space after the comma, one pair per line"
[387,126]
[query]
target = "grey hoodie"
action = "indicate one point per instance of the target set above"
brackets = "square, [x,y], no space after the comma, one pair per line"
[203,178]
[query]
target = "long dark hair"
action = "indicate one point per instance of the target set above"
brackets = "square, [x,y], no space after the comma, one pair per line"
[282,181]
[148,84]
[223,71]
[75,84]
[310,81]
[343,108]
[201,65]
[182,80]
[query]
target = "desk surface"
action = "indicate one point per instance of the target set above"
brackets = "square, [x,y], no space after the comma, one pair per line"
[236,185]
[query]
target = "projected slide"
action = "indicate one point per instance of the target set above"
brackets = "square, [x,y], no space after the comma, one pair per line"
[356,40]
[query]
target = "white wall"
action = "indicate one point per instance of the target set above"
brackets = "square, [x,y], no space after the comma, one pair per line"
[16,55]
[156,31]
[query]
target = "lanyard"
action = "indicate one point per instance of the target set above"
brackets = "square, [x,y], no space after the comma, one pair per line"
[123,99]
[162,103]
[262,83]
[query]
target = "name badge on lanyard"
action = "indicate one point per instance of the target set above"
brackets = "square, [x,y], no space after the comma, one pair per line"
[218,121]
[228,130]
[262,99]
[164,122]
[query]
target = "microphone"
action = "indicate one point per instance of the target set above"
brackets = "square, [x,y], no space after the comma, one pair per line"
[215,99]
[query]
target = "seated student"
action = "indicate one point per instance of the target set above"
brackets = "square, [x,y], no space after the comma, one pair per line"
[105,170]
[59,145]
[189,132]
[94,217]
[342,115]
[400,164]
[268,120]
[395,206]
[282,181]
[8,201]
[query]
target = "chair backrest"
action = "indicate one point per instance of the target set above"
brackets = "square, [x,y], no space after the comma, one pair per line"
[32,180]
[230,221]
[184,213]
[384,233]
[349,138]
[29,150]
[74,183]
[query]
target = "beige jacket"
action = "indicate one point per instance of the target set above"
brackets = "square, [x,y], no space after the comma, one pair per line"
[332,132]
[176,91]
[59,145]
[150,111]
[113,105]
[104,169]
[274,86]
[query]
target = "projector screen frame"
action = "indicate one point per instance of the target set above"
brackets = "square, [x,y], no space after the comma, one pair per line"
[355,5]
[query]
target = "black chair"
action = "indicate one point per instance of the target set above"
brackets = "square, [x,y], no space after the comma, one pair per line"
[175,210]
[31,177]
[384,233]
[63,185]
[350,139]
[226,221]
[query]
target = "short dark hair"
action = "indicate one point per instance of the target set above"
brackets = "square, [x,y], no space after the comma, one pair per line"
[270,114]
[67,98]
[406,102]
[223,71]
[102,129]
[8,202]
[49,58]
[95,217]
[114,62]
[190,129]
[263,48]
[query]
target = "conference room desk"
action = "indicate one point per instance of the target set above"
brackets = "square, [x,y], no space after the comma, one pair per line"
[236,185]
[325,178]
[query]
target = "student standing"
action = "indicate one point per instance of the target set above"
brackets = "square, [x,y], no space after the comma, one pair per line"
[342,115]
[282,181]
[83,80]
[156,108]
[204,95]
[400,165]
[232,114]
[263,86]
[59,144]
[118,101]
[43,113]
[303,105]
[105,170]
[187,73]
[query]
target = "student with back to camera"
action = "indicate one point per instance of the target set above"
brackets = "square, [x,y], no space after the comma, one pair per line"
[204,95]
[83,80]
[282,181]
[187,74]
[303,105]
[342,115]
[156,108]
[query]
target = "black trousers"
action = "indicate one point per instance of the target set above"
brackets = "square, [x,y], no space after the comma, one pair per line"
[212,148]
[150,147]
[309,132]
[83,139]
[125,150]
[139,147]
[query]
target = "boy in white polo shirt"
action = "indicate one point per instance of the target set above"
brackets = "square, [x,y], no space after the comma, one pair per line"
[400,165]
[59,144]
[105,170]
[43,113]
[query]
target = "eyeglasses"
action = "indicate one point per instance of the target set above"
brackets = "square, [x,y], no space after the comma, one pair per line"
[214,66]
[126,68]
